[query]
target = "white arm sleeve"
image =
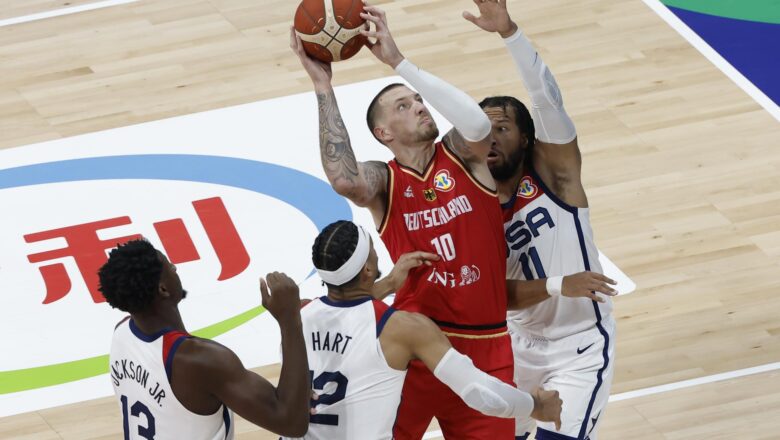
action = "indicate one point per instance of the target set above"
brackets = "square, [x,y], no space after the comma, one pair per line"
[459,108]
[481,391]
[552,123]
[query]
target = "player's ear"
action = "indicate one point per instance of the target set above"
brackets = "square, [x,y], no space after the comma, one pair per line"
[162,290]
[524,140]
[383,134]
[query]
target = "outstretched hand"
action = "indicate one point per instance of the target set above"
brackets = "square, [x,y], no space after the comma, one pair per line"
[493,17]
[397,277]
[383,47]
[319,72]
[586,284]
[407,262]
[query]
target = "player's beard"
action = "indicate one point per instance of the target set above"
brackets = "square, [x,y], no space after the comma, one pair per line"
[183,293]
[507,169]
[378,275]
[427,133]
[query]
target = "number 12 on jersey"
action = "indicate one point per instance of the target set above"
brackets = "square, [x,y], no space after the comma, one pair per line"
[318,384]
[444,246]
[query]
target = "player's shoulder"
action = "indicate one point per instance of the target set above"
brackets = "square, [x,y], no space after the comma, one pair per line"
[408,324]
[203,355]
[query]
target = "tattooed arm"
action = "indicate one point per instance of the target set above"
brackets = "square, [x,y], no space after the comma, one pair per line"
[365,183]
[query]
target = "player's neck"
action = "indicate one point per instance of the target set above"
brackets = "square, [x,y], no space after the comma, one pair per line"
[416,156]
[506,188]
[154,321]
[348,295]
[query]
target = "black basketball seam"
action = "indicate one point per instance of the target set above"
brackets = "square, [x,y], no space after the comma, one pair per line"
[336,34]
[333,38]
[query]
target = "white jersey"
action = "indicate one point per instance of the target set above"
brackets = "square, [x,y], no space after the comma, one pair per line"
[140,366]
[358,392]
[545,237]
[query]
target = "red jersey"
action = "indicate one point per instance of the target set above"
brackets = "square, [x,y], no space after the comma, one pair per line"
[448,212]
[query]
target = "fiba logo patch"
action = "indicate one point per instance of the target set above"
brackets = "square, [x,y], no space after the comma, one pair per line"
[527,189]
[442,181]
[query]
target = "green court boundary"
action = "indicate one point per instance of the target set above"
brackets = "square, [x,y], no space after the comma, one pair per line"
[26,379]
[761,11]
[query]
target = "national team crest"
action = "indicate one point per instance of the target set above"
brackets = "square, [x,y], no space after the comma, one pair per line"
[430,194]
[527,189]
[442,181]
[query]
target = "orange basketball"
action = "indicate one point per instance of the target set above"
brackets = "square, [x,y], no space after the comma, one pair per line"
[330,29]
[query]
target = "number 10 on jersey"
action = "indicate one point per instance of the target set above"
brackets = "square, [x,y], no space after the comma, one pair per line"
[444,246]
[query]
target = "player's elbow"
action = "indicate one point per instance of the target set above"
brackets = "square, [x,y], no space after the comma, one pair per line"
[342,186]
[352,191]
[296,430]
[296,423]
[347,189]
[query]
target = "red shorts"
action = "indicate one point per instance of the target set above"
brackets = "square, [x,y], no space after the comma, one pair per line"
[424,397]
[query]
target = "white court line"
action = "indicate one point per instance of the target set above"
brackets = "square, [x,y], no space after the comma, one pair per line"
[673,386]
[63,11]
[714,57]
[694,382]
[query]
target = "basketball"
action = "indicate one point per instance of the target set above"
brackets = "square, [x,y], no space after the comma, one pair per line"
[330,29]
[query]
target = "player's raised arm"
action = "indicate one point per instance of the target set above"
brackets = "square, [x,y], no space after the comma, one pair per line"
[409,336]
[283,409]
[455,105]
[556,154]
[364,183]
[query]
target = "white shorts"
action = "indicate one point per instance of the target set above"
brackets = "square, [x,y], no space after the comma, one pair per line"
[579,367]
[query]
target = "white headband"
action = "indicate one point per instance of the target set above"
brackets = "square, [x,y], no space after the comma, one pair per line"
[353,265]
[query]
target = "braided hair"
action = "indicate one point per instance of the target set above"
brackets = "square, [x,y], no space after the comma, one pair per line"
[130,278]
[333,247]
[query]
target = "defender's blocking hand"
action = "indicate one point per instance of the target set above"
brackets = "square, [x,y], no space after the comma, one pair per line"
[493,17]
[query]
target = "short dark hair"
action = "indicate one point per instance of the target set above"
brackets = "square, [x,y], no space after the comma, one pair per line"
[523,119]
[373,108]
[130,278]
[334,246]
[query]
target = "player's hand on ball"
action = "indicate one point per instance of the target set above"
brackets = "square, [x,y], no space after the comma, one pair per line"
[547,407]
[384,47]
[284,300]
[584,284]
[407,262]
[493,17]
[319,72]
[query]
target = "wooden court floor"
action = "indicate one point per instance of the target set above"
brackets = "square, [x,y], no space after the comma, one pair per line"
[682,168]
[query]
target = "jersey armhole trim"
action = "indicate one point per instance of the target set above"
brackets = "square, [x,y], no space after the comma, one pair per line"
[455,158]
[122,321]
[551,194]
[389,202]
[226,419]
[380,325]
[169,350]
